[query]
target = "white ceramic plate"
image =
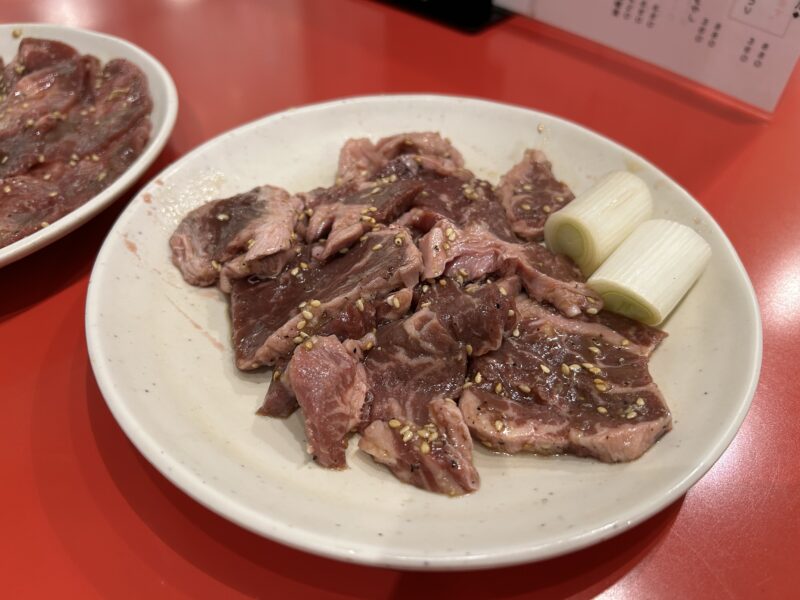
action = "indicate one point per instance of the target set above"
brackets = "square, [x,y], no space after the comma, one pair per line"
[160,351]
[165,108]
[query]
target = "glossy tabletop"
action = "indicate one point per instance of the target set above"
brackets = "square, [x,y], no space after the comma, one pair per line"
[83,515]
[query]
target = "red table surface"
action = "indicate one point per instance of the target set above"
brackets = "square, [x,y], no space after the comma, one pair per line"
[82,514]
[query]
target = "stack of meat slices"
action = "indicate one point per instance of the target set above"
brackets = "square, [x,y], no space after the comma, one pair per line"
[69,127]
[413,303]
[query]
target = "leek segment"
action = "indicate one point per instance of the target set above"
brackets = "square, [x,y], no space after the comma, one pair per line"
[589,228]
[649,273]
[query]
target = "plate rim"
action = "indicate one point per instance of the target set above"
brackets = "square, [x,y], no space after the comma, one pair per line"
[261,524]
[99,202]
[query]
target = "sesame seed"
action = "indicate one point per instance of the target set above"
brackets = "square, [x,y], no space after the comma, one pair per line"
[467,384]
[515,333]
[602,410]
[511,313]
[469,349]
[372,209]
[16,33]
[592,310]
[360,304]
[565,369]
[595,371]
[394,423]
[632,415]
[315,303]
[95,158]
[546,208]
[309,211]
[446,246]
[44,224]
[222,217]
[74,157]
[527,187]
[4,160]
[526,206]
[423,433]
[101,176]
[503,291]
[308,315]
[434,436]
[304,335]
[525,388]
[301,324]
[601,387]
[53,194]
[344,250]
[452,236]
[214,264]
[395,302]
[40,158]
[405,428]
[575,367]
[449,231]
[425,447]
[478,377]
[46,177]
[302,304]
[625,342]
[498,425]
[304,266]
[587,365]
[425,288]
[276,375]
[297,339]
[498,388]
[369,345]
[295,272]
[443,282]
[408,435]
[594,349]
[640,402]
[377,247]
[7,189]
[544,368]
[29,122]
[309,344]
[463,272]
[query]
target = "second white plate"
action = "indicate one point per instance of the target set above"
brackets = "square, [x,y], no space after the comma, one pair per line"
[165,109]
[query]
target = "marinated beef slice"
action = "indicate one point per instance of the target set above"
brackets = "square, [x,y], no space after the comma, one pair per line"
[330,385]
[473,253]
[529,193]
[475,315]
[552,388]
[412,425]
[361,160]
[255,228]
[268,320]
[68,128]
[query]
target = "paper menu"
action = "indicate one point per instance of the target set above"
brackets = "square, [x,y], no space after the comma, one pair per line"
[744,48]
